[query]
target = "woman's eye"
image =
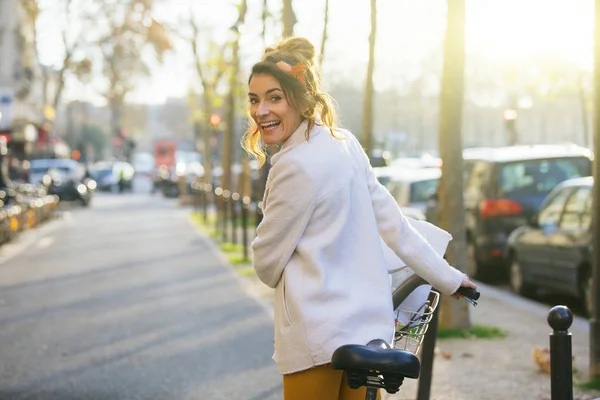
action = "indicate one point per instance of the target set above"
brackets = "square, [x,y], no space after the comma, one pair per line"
[252,101]
[275,98]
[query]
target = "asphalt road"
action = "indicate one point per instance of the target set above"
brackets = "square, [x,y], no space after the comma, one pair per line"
[125,300]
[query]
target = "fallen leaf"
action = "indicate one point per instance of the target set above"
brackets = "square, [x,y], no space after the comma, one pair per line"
[541,356]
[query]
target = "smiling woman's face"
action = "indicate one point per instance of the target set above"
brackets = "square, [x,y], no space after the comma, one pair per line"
[269,108]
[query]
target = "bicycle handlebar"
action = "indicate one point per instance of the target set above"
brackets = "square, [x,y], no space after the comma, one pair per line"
[414,281]
[469,292]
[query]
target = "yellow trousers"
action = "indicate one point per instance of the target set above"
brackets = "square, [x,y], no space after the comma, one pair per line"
[321,383]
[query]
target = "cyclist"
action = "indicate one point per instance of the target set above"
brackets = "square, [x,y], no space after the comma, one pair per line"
[319,243]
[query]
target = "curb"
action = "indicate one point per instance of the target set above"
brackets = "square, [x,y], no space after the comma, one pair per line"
[531,306]
[243,282]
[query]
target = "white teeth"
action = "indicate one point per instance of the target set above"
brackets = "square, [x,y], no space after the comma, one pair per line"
[268,124]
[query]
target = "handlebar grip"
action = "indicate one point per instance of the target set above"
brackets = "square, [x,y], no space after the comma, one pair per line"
[469,292]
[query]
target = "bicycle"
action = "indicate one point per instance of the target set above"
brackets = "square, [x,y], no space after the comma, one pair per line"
[378,365]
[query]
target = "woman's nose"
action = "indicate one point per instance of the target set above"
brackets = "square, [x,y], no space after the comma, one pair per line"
[263,110]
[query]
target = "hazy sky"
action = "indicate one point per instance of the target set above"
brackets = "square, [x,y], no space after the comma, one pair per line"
[408,32]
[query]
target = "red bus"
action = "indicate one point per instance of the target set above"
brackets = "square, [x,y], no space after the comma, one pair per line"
[164,153]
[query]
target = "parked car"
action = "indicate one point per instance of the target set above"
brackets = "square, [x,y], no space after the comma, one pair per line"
[421,160]
[107,174]
[553,250]
[64,178]
[412,188]
[70,168]
[143,164]
[504,187]
[188,165]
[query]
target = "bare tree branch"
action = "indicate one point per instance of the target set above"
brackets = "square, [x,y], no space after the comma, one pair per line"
[324,36]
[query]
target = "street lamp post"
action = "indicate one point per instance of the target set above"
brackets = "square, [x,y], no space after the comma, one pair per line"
[510,121]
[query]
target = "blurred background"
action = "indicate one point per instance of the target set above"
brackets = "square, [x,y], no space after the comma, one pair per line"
[477,115]
[148,96]
[108,79]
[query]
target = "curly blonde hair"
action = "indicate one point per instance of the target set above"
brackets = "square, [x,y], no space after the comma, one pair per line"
[302,94]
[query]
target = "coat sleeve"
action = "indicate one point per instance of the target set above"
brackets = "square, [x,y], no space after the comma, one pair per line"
[402,237]
[289,204]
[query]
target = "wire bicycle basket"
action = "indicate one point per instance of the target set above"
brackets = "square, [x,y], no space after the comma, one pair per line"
[410,336]
[412,317]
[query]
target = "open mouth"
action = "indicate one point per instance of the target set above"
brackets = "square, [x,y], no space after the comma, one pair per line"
[269,126]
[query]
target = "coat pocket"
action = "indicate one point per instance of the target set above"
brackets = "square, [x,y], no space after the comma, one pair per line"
[284,301]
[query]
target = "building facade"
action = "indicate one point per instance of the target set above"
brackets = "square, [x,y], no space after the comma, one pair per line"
[21,83]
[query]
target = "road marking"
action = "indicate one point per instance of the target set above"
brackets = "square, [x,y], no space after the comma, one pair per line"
[28,238]
[45,242]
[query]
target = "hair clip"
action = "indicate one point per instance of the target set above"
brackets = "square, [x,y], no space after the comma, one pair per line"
[298,71]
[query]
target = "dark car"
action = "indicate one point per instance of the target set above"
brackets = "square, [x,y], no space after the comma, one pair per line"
[113,175]
[504,187]
[64,178]
[70,189]
[553,250]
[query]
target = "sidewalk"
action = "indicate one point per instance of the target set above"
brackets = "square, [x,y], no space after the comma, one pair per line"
[489,369]
[493,369]
[502,368]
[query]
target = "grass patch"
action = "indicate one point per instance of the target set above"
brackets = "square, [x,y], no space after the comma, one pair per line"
[233,252]
[237,222]
[232,248]
[211,220]
[238,260]
[478,331]
[594,384]
[246,271]
[198,219]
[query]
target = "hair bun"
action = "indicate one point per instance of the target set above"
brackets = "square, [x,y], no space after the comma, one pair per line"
[298,47]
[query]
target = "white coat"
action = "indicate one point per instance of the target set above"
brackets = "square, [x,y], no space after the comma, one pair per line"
[319,246]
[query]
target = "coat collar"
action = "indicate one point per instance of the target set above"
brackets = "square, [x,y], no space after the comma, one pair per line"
[299,136]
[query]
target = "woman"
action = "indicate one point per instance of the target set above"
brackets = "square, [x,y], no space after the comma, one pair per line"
[319,243]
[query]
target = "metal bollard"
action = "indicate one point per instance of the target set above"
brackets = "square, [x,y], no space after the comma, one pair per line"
[208,197]
[203,199]
[218,214]
[245,204]
[560,319]
[226,216]
[235,198]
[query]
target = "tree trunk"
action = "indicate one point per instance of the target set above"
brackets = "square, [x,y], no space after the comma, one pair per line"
[595,317]
[116,114]
[324,36]
[584,112]
[227,151]
[451,212]
[367,121]
[60,81]
[206,136]
[264,16]
[288,18]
